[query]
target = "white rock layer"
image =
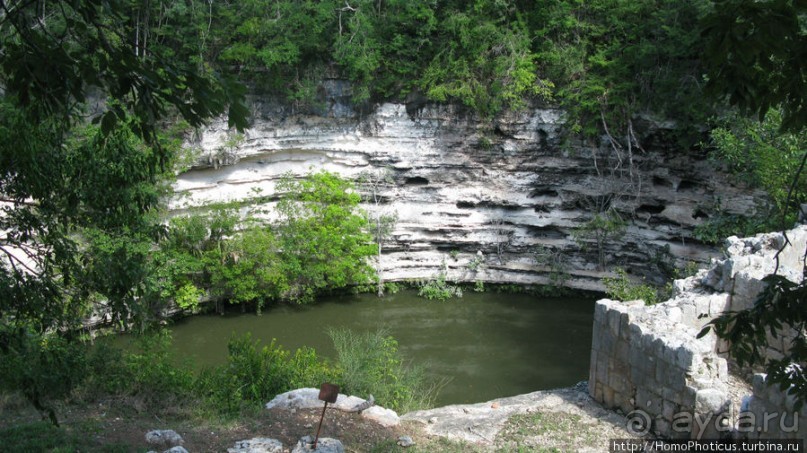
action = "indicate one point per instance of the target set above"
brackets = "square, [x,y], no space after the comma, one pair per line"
[507,188]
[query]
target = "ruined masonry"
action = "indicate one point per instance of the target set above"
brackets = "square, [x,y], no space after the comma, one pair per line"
[647,359]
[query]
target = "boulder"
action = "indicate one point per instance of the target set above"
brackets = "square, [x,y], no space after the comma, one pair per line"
[164,438]
[382,416]
[324,445]
[308,398]
[405,441]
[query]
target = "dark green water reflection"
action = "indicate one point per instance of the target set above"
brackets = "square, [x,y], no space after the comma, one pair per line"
[490,344]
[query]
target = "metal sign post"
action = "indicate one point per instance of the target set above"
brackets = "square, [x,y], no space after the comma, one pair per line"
[328,393]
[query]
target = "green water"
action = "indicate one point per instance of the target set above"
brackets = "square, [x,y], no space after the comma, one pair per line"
[490,345]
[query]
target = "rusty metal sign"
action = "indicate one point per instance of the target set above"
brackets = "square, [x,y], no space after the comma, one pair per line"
[328,393]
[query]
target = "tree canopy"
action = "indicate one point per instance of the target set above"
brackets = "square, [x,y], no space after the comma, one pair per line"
[755,55]
[82,160]
[60,175]
[611,56]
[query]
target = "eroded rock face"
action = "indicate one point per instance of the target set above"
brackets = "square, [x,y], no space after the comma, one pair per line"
[510,188]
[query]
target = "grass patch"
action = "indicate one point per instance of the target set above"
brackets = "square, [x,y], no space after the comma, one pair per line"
[370,364]
[546,432]
[430,445]
[44,437]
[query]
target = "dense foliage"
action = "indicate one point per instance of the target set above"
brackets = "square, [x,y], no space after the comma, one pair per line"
[621,288]
[438,288]
[323,236]
[150,376]
[764,157]
[755,56]
[604,60]
[80,183]
[319,244]
[87,88]
[370,364]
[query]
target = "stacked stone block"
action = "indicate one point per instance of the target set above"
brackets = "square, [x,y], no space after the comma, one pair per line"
[649,358]
[770,414]
[644,361]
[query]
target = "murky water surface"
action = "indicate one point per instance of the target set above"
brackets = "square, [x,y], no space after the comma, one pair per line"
[490,345]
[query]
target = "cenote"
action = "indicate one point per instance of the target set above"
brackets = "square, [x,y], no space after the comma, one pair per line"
[489,345]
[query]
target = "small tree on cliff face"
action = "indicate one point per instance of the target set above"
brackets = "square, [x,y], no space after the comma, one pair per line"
[379,188]
[322,239]
[600,230]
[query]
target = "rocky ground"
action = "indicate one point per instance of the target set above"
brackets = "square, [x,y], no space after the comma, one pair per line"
[554,420]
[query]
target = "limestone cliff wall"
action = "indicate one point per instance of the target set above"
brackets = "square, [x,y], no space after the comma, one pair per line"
[510,189]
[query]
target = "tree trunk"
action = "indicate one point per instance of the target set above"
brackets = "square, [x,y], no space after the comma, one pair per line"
[379,273]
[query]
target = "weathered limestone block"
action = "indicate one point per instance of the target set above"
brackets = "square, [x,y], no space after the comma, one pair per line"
[257,445]
[308,398]
[711,407]
[324,445]
[164,438]
[770,413]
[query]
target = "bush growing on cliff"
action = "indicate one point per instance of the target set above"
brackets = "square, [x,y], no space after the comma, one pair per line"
[765,157]
[323,239]
[438,288]
[598,231]
[254,375]
[621,288]
[320,244]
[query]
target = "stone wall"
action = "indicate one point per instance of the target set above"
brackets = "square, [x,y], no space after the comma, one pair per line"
[512,189]
[648,359]
[769,414]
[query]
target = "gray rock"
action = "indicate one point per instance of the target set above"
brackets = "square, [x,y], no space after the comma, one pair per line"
[382,416]
[177,449]
[480,423]
[164,438]
[711,400]
[257,445]
[324,445]
[308,398]
[405,441]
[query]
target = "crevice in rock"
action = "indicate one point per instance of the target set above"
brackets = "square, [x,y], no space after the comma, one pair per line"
[416,181]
